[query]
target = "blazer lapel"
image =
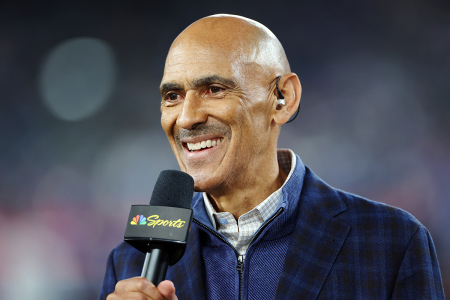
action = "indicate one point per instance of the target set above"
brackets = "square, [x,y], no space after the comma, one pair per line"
[316,241]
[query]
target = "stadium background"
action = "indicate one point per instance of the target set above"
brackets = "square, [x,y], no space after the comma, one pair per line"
[80,138]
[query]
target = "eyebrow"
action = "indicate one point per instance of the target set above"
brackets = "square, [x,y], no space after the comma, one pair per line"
[207,80]
[169,86]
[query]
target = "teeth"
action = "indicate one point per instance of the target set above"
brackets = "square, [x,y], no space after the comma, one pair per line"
[203,144]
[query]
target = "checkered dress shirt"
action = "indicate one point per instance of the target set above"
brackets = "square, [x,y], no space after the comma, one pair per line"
[240,233]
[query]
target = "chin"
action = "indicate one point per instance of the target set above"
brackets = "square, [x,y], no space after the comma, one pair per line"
[199,184]
[204,183]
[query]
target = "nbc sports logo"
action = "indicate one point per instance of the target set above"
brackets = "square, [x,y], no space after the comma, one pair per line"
[154,220]
[139,219]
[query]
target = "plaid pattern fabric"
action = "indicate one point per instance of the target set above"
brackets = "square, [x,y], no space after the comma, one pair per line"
[240,233]
[326,244]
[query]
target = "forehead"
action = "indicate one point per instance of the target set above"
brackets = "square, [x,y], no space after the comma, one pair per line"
[189,62]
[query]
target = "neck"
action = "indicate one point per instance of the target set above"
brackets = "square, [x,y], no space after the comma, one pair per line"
[248,191]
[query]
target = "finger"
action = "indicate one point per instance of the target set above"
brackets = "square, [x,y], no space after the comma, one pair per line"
[128,296]
[167,289]
[141,285]
[135,284]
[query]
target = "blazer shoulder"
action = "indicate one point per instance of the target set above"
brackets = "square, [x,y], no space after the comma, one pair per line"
[376,216]
[351,207]
[357,205]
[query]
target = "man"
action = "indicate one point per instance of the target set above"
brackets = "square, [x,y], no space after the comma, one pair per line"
[265,227]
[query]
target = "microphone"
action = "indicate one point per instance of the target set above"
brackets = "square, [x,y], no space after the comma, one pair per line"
[161,229]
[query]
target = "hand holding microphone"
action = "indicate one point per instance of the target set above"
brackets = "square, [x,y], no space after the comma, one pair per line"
[142,288]
[160,230]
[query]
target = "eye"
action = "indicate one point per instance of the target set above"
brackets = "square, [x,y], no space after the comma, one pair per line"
[172,96]
[215,89]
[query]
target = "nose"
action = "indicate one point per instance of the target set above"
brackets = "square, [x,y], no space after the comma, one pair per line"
[193,113]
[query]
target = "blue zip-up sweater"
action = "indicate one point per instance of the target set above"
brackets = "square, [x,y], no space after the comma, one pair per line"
[321,243]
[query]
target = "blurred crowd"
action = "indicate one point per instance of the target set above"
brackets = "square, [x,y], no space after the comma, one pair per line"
[80,138]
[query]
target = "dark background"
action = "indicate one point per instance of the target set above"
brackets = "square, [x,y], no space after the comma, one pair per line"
[374,119]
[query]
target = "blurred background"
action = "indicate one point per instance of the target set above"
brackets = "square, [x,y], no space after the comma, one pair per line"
[80,136]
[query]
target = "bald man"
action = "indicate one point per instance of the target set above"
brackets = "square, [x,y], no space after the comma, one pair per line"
[265,227]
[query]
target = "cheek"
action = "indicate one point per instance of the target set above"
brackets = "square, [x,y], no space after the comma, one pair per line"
[255,126]
[168,120]
[255,113]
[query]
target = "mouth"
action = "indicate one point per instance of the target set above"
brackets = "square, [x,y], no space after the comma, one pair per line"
[201,145]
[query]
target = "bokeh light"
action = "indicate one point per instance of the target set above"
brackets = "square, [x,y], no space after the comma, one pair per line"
[77,78]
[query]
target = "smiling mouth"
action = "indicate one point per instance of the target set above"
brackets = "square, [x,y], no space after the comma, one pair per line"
[203,144]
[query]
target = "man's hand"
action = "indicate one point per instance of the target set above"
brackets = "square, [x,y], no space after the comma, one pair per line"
[140,288]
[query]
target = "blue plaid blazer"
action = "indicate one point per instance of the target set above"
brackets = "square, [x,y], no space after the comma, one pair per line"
[325,244]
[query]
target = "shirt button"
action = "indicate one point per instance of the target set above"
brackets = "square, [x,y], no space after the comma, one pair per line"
[223,221]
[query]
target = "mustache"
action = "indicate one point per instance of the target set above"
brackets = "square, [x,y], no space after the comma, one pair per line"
[202,129]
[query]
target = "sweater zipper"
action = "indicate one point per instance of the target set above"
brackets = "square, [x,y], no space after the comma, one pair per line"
[240,258]
[240,269]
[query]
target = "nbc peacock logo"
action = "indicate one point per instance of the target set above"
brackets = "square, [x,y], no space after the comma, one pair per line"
[139,220]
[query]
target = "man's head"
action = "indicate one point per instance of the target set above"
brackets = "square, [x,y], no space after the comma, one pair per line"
[219,87]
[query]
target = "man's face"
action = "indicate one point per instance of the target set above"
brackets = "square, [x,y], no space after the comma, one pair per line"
[215,114]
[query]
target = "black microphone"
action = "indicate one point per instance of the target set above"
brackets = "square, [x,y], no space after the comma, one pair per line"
[161,229]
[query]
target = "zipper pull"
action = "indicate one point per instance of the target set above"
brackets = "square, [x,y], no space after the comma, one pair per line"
[240,264]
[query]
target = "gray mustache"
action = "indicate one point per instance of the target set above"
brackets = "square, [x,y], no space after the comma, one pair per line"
[202,129]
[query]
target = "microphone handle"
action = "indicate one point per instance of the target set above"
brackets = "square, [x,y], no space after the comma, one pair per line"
[155,265]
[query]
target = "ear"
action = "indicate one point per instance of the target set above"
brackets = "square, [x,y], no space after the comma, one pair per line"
[291,88]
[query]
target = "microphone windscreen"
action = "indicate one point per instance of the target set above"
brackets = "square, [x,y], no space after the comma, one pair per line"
[173,188]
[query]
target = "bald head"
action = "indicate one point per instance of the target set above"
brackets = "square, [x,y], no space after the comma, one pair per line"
[243,41]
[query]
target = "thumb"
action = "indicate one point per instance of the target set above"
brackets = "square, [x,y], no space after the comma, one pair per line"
[167,289]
